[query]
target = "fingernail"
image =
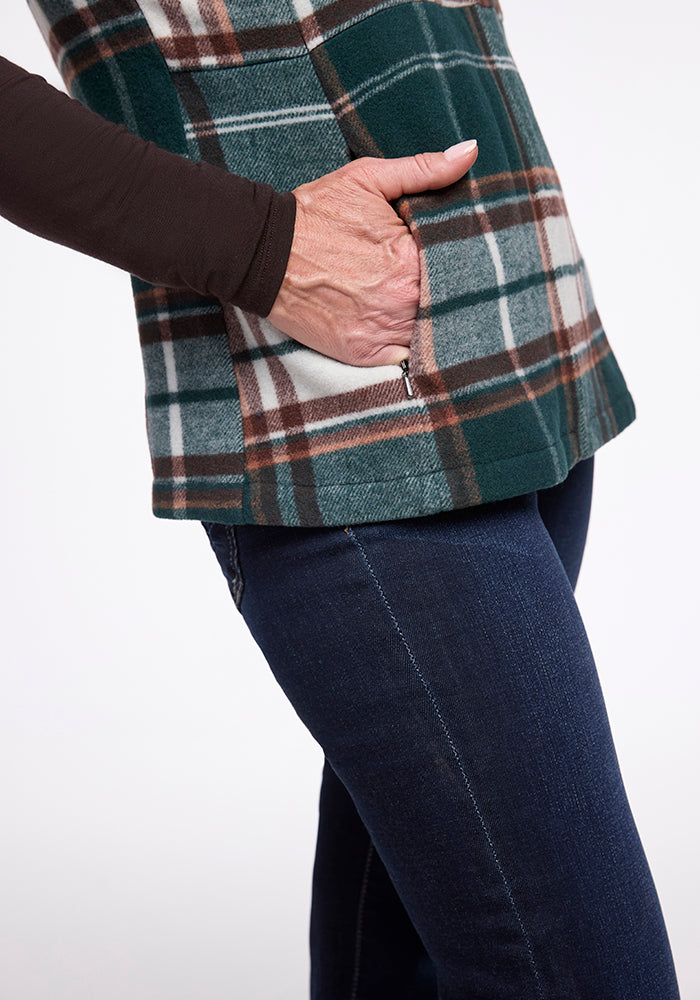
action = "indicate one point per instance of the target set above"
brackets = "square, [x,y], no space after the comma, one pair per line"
[460,149]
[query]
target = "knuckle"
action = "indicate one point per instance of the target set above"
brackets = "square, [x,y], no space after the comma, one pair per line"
[422,161]
[410,269]
[361,169]
[402,255]
[405,285]
[406,282]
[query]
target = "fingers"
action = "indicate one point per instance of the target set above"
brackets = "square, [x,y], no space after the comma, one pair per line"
[352,284]
[394,354]
[422,172]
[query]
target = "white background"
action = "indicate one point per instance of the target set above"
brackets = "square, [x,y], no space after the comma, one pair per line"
[158,793]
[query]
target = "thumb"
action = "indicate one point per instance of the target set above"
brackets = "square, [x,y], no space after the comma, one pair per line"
[424,171]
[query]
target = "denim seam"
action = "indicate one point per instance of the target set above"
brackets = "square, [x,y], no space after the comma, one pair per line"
[349,531]
[359,928]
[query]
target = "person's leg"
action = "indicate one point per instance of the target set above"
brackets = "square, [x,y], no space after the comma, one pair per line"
[362,942]
[565,510]
[442,665]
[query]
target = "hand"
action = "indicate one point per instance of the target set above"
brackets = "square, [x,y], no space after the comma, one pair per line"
[353,278]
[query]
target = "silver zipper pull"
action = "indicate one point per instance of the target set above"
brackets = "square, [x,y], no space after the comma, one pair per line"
[406,379]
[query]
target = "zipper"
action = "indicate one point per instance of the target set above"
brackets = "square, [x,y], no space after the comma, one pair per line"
[406,380]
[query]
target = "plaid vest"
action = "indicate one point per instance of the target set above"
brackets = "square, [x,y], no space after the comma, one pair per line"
[512,377]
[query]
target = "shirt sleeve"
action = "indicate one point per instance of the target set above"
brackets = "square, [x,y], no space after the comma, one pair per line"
[70,176]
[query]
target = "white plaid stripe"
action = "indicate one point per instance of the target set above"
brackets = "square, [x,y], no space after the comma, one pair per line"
[264,119]
[311,374]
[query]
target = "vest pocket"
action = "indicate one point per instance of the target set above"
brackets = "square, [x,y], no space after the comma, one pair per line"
[300,410]
[420,77]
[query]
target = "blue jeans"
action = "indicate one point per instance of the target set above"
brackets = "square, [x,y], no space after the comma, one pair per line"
[475,840]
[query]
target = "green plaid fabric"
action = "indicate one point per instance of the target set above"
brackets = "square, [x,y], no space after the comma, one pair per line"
[513,377]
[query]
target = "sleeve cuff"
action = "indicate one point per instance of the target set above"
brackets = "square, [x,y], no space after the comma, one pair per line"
[267,269]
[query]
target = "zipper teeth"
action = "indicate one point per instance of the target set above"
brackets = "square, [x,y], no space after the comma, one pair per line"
[406,380]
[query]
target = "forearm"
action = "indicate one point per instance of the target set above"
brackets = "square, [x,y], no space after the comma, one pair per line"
[72,177]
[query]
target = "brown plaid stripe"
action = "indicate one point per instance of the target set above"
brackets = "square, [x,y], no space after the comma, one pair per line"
[82,36]
[198,34]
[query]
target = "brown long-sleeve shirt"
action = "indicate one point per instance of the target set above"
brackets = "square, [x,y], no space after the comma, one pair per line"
[71,176]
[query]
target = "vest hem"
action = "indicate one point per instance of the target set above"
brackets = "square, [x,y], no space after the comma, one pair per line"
[432,492]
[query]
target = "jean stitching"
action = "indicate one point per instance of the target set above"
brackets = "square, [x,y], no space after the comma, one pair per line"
[506,885]
[359,928]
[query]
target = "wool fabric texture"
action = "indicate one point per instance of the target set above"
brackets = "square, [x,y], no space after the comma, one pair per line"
[512,375]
